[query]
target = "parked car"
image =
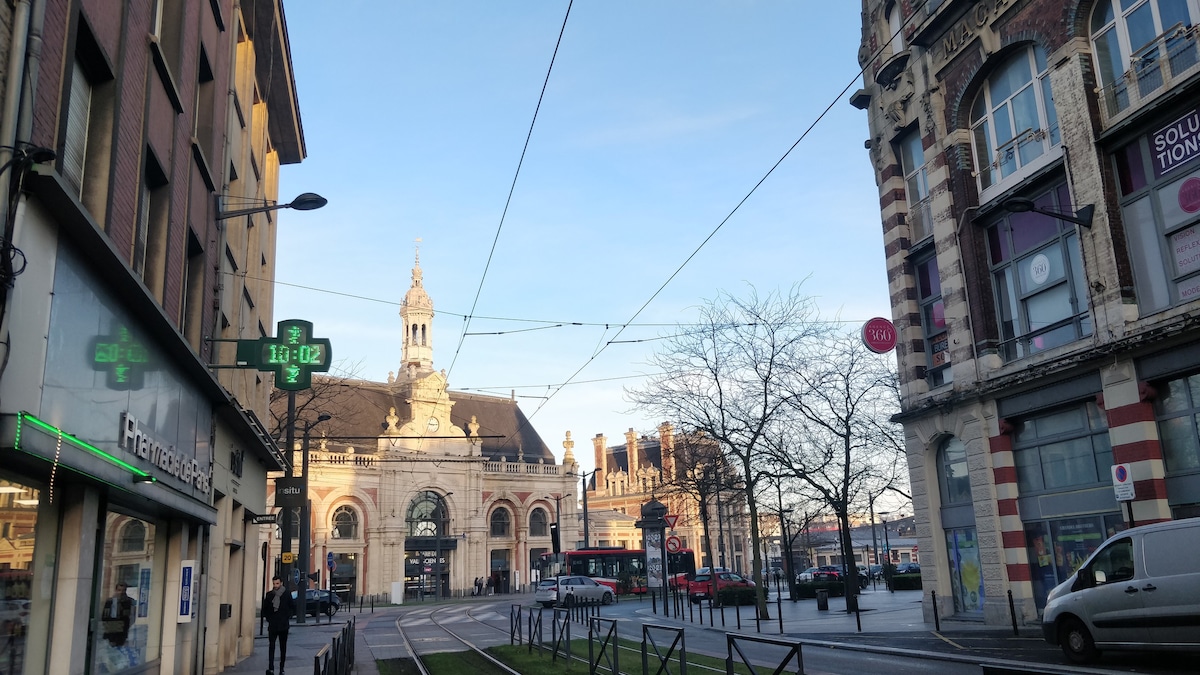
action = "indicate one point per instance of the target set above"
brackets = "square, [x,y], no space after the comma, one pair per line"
[876,571]
[701,586]
[807,575]
[568,590]
[13,614]
[320,601]
[1138,590]
[839,571]
[908,568]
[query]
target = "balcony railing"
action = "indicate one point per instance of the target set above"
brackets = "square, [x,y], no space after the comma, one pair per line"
[1154,69]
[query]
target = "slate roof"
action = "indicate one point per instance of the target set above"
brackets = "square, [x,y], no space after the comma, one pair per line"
[359,409]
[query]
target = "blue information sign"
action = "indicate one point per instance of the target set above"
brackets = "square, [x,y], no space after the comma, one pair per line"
[329,561]
[185,591]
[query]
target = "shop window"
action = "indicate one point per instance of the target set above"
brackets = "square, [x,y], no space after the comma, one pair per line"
[953,480]
[345,523]
[539,523]
[1014,128]
[933,319]
[1038,278]
[1160,208]
[1177,410]
[1064,449]
[1140,46]
[128,619]
[916,184]
[501,523]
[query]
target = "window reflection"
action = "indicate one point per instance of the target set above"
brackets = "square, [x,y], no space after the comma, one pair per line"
[125,630]
[18,524]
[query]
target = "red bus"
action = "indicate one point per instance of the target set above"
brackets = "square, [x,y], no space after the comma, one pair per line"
[622,569]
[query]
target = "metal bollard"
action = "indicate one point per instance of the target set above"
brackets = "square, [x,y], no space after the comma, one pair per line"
[1012,611]
[937,623]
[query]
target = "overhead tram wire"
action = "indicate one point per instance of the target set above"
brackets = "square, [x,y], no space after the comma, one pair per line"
[512,188]
[716,229]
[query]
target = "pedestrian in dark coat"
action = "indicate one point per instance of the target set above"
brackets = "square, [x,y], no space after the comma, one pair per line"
[278,608]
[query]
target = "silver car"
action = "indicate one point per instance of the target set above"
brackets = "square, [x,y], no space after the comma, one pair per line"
[567,591]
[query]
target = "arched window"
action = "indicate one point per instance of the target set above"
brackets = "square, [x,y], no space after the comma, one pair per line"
[133,537]
[1140,45]
[953,480]
[539,523]
[422,335]
[345,523]
[428,515]
[501,522]
[894,21]
[1014,127]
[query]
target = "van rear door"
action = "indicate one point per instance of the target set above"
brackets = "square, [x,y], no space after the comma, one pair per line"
[1170,589]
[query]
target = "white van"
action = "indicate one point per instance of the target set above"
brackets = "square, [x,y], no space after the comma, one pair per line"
[1139,590]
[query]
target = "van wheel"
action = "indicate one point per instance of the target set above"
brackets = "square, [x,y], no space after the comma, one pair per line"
[1077,642]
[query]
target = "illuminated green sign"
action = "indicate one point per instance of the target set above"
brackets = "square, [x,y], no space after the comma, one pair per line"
[293,356]
[122,357]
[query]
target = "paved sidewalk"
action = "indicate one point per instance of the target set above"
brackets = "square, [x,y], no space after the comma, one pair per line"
[306,640]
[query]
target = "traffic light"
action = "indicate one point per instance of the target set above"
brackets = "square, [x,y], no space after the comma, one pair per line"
[554,538]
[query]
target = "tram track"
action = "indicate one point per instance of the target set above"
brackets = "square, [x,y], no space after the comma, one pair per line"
[412,640]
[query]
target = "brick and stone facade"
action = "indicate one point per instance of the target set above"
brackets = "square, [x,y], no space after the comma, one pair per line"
[1036,352]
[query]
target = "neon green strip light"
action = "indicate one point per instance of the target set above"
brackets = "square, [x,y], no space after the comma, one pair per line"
[55,431]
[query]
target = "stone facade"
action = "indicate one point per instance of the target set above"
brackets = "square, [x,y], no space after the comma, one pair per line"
[1038,348]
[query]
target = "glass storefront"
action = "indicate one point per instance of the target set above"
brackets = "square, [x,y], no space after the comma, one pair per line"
[127,623]
[966,573]
[18,525]
[1058,547]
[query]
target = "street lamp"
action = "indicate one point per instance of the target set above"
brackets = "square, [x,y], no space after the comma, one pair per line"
[556,537]
[442,526]
[305,525]
[305,202]
[587,541]
[887,550]
[1082,217]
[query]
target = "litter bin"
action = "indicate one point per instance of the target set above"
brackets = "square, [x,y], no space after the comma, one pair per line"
[823,599]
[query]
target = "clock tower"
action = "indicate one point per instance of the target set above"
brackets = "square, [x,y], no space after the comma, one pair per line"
[417,314]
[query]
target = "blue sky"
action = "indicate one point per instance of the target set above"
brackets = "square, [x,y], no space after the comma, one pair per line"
[658,119]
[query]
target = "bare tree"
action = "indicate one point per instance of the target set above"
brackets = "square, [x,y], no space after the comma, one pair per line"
[698,465]
[840,441]
[727,376]
[327,393]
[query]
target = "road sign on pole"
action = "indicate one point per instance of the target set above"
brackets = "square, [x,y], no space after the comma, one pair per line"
[671,520]
[330,562]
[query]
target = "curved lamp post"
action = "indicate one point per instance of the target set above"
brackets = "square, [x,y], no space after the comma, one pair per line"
[304,202]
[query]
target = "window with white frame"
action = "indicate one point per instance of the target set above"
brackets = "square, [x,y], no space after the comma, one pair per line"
[1159,178]
[345,523]
[933,319]
[916,183]
[1014,128]
[895,23]
[1140,45]
[1038,278]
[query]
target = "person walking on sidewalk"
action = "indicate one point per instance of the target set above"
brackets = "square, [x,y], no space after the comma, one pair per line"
[278,609]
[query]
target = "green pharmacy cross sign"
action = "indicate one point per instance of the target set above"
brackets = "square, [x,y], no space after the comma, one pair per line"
[293,356]
[122,357]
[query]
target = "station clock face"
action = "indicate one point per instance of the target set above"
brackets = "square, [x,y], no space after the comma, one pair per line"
[433,424]
[426,528]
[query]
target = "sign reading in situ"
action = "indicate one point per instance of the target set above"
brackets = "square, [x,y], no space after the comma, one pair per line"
[289,491]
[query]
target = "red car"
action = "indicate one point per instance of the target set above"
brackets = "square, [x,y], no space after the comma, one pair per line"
[701,585]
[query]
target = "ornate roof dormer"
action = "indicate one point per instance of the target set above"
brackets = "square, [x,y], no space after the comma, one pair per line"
[417,314]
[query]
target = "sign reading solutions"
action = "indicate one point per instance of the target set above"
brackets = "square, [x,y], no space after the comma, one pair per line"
[1176,144]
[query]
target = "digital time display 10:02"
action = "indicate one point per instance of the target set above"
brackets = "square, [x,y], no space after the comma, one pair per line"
[302,354]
